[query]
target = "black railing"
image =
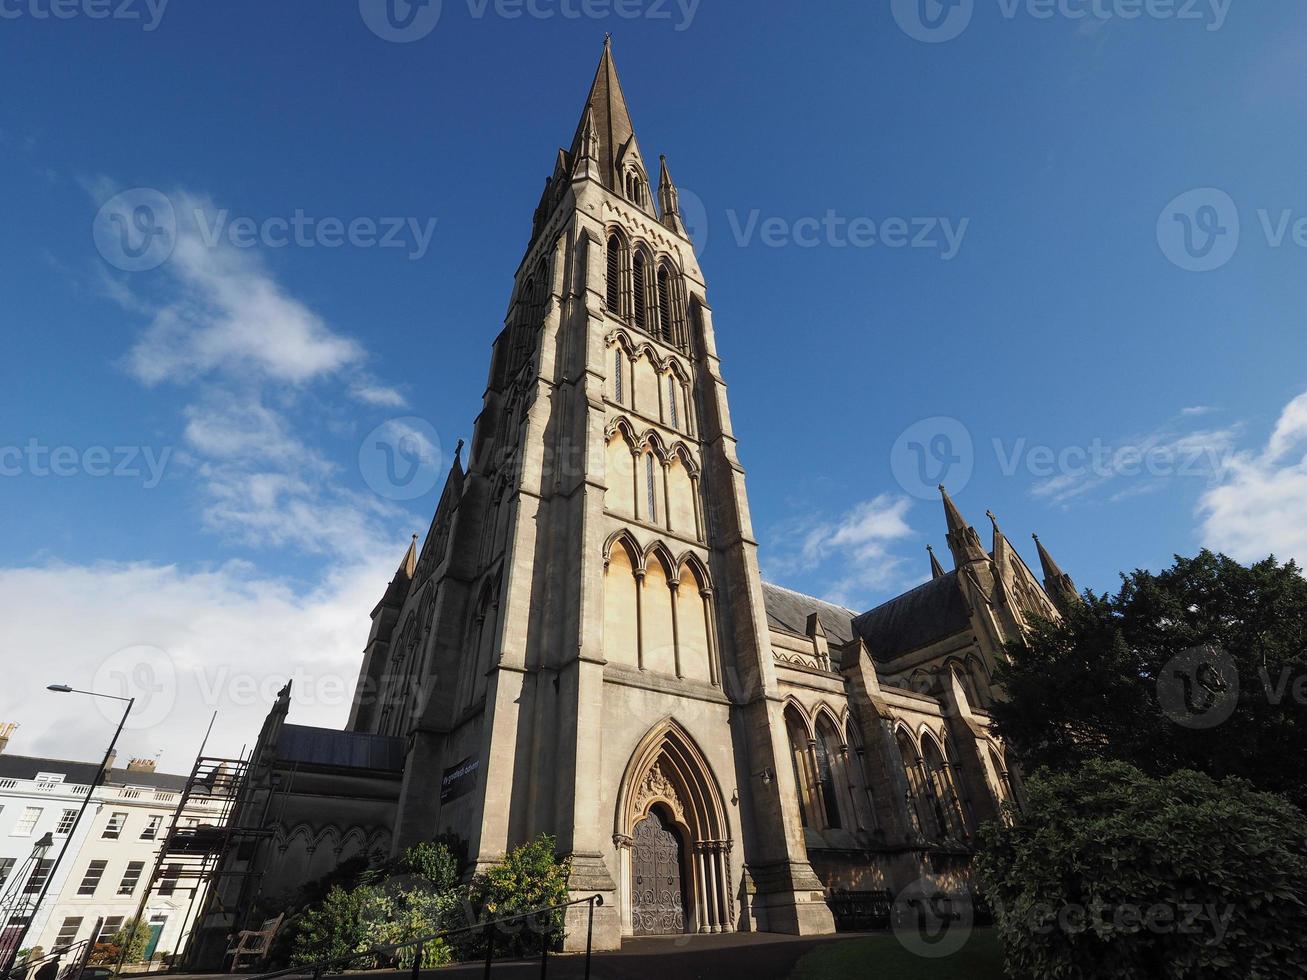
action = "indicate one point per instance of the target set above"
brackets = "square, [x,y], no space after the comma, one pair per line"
[389,953]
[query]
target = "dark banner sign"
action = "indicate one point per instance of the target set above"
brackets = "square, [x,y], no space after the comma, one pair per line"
[459,780]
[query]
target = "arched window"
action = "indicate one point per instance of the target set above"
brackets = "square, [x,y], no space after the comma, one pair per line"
[614,283]
[803,782]
[651,489]
[665,304]
[639,282]
[673,396]
[617,374]
[919,813]
[828,750]
[943,797]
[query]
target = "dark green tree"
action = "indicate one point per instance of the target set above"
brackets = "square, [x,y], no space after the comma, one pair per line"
[1202,666]
[1112,873]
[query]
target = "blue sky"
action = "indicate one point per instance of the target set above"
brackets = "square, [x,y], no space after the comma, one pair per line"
[1063,154]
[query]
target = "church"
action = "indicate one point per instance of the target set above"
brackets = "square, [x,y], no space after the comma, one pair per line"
[583,644]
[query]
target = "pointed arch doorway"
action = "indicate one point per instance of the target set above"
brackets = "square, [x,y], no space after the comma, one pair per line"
[657,876]
[673,840]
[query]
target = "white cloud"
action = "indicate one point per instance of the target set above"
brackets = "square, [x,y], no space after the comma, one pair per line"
[1260,508]
[229,639]
[1144,463]
[226,314]
[850,555]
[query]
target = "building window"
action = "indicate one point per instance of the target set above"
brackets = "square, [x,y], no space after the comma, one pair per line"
[672,401]
[114,827]
[108,929]
[91,880]
[66,821]
[68,931]
[827,749]
[798,737]
[39,877]
[132,878]
[168,884]
[651,488]
[617,373]
[46,782]
[665,304]
[152,827]
[6,869]
[638,283]
[614,283]
[27,822]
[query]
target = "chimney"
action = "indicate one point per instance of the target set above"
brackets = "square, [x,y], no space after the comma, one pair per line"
[7,730]
[109,761]
[142,765]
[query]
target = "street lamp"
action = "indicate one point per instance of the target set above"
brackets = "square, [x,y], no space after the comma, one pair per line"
[96,781]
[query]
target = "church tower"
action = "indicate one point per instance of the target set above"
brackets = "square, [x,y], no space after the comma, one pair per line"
[581,648]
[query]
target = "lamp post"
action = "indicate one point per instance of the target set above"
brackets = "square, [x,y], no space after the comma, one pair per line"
[72,831]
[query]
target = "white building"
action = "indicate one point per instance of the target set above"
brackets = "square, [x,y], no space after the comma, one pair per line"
[106,870]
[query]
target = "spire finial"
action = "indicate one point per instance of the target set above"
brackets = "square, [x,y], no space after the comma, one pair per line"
[936,569]
[1057,583]
[962,538]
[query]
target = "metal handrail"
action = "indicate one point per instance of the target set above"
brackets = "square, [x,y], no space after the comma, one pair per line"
[82,946]
[388,951]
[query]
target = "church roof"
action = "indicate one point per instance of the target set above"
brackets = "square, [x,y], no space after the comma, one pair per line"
[927,614]
[612,119]
[351,750]
[789,610]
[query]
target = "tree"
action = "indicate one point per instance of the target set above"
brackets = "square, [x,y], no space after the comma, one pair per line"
[1202,666]
[1112,873]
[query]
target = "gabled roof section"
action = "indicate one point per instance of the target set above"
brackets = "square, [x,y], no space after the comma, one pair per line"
[926,615]
[789,611]
[612,120]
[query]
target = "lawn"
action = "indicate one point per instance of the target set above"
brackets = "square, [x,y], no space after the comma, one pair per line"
[884,958]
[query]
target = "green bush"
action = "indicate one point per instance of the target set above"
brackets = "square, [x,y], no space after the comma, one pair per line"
[530,877]
[413,896]
[1112,873]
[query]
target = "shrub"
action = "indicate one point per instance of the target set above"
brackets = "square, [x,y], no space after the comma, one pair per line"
[1114,873]
[413,896]
[530,877]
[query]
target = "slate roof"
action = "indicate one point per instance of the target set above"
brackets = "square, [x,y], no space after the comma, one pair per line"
[789,610]
[83,773]
[927,614]
[350,750]
[27,767]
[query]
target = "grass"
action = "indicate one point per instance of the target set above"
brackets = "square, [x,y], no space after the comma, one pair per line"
[884,958]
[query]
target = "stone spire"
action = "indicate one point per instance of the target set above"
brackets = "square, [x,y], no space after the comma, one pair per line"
[397,590]
[1057,583]
[669,201]
[936,569]
[1001,550]
[608,118]
[963,540]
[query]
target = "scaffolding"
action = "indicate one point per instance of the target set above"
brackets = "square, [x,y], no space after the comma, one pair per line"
[207,846]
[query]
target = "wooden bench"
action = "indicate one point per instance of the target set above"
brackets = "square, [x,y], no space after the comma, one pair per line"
[253,943]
